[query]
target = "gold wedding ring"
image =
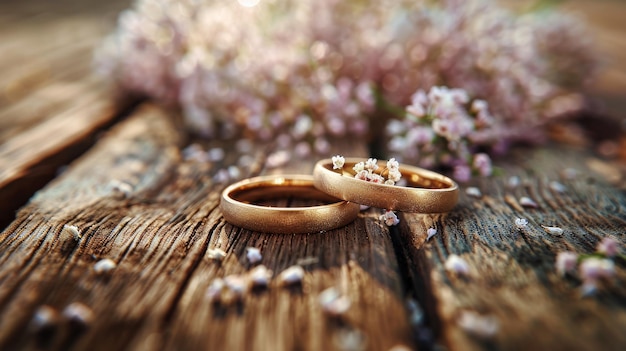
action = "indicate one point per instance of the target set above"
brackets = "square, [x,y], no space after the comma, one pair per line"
[425,191]
[242,205]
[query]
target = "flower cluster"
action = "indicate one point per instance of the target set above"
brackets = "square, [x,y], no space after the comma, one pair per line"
[304,72]
[367,171]
[442,128]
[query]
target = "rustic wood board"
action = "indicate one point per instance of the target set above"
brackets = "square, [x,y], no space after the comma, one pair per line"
[51,105]
[161,233]
[512,272]
[160,236]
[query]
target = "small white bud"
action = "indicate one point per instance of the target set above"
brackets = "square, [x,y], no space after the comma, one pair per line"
[104,266]
[338,162]
[521,223]
[260,276]
[70,232]
[333,303]
[254,255]
[120,189]
[527,202]
[553,230]
[359,167]
[237,284]
[216,254]
[291,275]
[390,218]
[307,261]
[214,291]
[558,187]
[78,313]
[430,233]
[457,265]
[473,192]
[45,317]
[513,182]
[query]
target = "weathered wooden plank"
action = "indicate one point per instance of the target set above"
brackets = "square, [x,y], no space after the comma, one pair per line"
[512,275]
[51,105]
[159,236]
[30,159]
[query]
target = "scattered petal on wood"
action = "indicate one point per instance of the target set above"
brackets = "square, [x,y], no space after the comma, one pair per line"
[430,233]
[120,189]
[390,218]
[553,230]
[521,223]
[260,276]
[333,303]
[513,182]
[291,275]
[527,202]
[70,232]
[307,261]
[104,266]
[79,313]
[473,192]
[557,187]
[214,291]
[216,254]
[45,317]
[237,284]
[478,325]
[254,255]
[456,264]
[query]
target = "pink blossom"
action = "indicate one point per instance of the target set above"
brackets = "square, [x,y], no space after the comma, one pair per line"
[593,269]
[482,163]
[430,233]
[389,218]
[566,262]
[462,173]
[507,74]
[608,246]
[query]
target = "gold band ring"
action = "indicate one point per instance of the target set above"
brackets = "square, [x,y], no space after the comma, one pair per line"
[425,191]
[240,205]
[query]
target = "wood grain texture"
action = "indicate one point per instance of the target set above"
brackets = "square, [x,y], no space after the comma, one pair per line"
[512,275]
[159,237]
[160,234]
[51,104]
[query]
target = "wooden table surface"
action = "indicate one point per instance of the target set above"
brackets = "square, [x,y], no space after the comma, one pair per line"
[54,112]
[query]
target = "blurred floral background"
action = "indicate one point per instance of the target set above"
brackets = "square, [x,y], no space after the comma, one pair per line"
[439,84]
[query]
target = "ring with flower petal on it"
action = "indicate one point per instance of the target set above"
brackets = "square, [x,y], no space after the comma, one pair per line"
[242,205]
[425,191]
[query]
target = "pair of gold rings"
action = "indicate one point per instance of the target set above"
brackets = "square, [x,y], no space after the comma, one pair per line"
[339,191]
